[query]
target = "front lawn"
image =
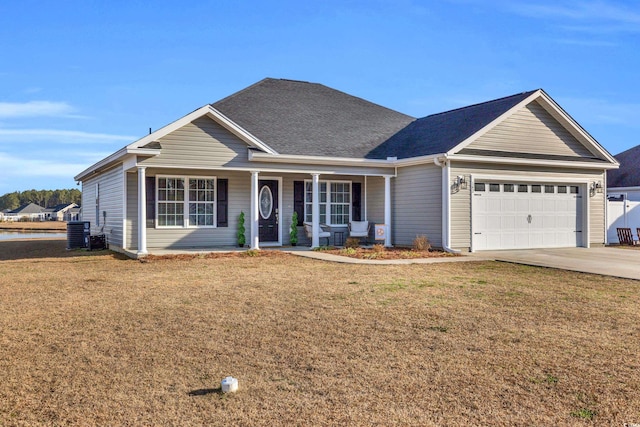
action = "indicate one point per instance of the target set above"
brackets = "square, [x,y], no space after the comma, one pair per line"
[96,339]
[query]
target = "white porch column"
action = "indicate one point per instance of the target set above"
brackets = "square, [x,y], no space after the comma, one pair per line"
[315,210]
[255,224]
[387,210]
[142,211]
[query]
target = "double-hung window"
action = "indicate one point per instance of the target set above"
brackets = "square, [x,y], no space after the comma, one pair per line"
[335,202]
[186,201]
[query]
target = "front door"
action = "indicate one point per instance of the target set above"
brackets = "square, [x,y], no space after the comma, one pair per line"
[268,210]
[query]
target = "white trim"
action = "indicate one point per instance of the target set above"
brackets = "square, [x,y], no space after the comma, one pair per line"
[515,179]
[113,158]
[272,171]
[317,160]
[387,210]
[531,162]
[619,189]
[124,208]
[315,210]
[254,243]
[186,224]
[142,211]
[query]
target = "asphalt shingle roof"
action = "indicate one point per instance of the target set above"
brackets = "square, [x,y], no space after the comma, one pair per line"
[628,175]
[439,133]
[301,118]
[29,208]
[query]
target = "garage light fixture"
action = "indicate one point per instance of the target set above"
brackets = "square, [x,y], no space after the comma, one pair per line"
[460,183]
[596,187]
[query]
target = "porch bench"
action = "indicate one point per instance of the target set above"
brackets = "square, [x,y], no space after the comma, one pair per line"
[323,234]
[625,236]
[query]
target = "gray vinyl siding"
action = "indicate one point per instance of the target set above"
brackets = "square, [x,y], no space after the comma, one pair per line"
[531,130]
[204,144]
[461,201]
[417,204]
[597,219]
[201,143]
[375,200]
[110,187]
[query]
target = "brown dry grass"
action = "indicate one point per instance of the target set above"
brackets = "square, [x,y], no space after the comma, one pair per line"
[94,339]
[34,225]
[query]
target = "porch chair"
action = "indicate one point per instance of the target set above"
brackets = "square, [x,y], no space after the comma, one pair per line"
[625,236]
[359,229]
[323,234]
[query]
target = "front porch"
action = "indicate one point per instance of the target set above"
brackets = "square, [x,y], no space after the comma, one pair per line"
[200,210]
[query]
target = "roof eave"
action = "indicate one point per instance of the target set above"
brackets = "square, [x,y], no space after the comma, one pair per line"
[116,157]
[533,162]
[318,160]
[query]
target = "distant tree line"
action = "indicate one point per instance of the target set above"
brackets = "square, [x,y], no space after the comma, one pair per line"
[44,198]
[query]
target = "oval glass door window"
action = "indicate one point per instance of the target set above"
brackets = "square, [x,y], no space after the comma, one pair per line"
[266,202]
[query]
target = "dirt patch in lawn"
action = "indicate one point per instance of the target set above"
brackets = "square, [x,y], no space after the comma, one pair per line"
[380,252]
[89,338]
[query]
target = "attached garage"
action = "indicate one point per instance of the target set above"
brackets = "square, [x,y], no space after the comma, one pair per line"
[524,215]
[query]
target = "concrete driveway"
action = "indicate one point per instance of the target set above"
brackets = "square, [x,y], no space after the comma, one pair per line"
[607,261]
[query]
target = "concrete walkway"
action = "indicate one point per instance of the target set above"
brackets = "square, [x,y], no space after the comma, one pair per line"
[608,261]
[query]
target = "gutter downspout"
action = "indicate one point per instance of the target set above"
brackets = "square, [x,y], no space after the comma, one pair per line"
[446,203]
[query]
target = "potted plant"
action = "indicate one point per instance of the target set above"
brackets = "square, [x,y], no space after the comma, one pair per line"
[240,235]
[293,234]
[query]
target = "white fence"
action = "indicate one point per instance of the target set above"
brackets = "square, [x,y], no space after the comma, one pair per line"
[621,214]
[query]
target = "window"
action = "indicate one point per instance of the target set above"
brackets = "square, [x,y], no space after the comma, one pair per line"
[535,188]
[201,201]
[337,204]
[478,186]
[523,188]
[549,189]
[340,202]
[494,187]
[573,189]
[508,188]
[562,188]
[173,200]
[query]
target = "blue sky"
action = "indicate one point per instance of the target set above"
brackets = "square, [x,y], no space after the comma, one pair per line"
[81,79]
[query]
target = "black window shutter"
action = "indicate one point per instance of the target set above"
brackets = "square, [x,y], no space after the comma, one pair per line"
[298,200]
[150,188]
[223,202]
[356,197]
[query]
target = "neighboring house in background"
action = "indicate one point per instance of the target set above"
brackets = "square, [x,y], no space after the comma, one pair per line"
[626,179]
[28,212]
[2,214]
[59,212]
[515,172]
[73,214]
[623,194]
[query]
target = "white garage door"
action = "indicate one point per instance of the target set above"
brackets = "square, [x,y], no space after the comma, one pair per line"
[526,215]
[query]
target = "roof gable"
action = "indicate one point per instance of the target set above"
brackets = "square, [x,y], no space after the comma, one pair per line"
[29,208]
[302,118]
[442,132]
